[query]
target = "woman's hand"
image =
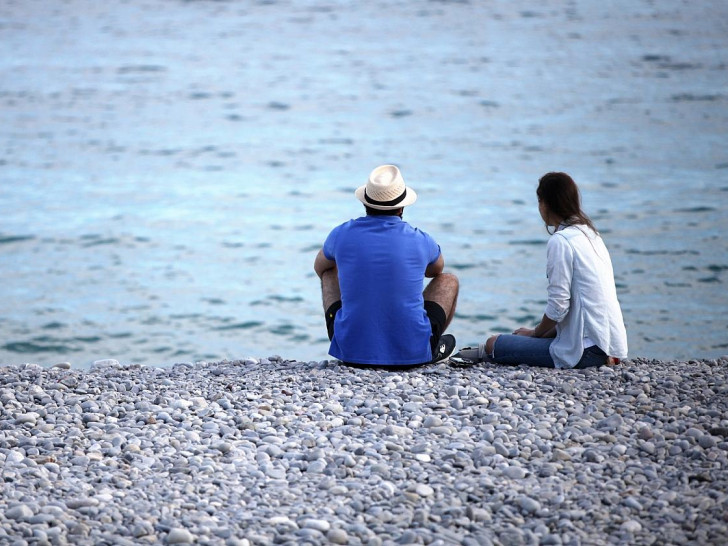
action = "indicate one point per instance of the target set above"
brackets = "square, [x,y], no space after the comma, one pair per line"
[545,328]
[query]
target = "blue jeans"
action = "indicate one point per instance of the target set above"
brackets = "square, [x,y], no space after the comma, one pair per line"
[534,351]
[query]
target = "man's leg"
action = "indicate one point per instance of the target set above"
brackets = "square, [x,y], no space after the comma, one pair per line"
[330,290]
[331,296]
[443,290]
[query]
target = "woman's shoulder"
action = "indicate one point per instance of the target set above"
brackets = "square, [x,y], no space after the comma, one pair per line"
[574,237]
[577,230]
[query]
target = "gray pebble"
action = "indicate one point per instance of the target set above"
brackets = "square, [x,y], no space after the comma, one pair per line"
[633,503]
[20,512]
[179,536]
[514,472]
[338,536]
[529,505]
[432,421]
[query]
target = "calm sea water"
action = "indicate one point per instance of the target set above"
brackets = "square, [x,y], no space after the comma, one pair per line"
[169,169]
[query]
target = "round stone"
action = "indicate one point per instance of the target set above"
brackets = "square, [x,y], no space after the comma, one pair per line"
[424,490]
[179,536]
[529,505]
[338,536]
[631,526]
[29,418]
[514,472]
[20,512]
[318,524]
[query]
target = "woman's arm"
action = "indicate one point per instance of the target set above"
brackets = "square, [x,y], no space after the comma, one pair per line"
[545,328]
[559,270]
[559,259]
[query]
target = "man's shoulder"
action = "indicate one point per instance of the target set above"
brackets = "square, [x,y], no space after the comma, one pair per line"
[403,224]
[344,225]
[420,232]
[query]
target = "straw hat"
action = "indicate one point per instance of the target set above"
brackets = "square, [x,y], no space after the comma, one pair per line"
[385,190]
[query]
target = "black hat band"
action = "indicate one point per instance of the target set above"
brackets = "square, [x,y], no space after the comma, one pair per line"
[393,202]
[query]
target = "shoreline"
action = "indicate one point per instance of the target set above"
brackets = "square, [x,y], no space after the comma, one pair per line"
[267,451]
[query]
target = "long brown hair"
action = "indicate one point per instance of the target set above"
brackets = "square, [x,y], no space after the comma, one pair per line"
[561,195]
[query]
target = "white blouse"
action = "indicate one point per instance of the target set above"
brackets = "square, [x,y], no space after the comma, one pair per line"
[582,297]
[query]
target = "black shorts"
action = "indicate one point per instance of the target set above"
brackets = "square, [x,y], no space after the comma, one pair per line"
[434,311]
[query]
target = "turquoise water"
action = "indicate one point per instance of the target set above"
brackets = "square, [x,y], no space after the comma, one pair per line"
[168,170]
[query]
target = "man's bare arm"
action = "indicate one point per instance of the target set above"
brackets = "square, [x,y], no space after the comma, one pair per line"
[435,268]
[322,264]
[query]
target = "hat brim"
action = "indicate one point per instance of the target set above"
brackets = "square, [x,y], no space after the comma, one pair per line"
[410,198]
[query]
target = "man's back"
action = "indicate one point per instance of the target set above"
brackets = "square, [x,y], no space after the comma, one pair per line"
[381,262]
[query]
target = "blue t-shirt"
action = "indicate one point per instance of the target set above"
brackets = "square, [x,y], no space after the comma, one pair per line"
[381,262]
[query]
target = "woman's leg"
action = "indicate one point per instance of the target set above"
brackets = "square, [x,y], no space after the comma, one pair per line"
[512,349]
[593,356]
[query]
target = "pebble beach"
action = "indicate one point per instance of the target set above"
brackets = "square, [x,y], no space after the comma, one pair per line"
[275,451]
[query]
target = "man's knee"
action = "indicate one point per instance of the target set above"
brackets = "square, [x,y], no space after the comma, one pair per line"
[443,290]
[449,278]
[443,284]
[450,286]
[330,287]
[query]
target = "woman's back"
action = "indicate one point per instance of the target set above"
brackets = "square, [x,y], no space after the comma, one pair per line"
[578,262]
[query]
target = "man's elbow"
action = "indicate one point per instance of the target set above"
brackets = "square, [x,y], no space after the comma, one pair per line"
[435,268]
[322,264]
[317,264]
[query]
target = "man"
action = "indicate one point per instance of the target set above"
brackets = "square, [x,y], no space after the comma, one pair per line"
[372,272]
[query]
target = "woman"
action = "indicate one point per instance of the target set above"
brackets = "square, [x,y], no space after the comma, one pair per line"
[582,326]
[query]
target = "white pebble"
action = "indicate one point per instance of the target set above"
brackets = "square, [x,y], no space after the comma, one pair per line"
[179,536]
[19,513]
[631,526]
[424,490]
[30,418]
[105,363]
[318,524]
